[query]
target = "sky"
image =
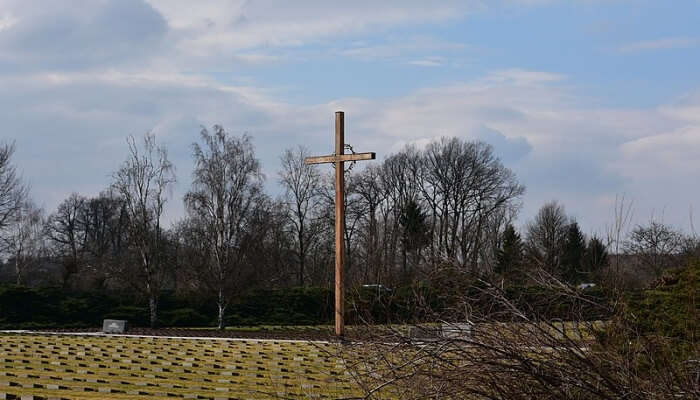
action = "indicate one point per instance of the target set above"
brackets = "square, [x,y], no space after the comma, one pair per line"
[587,101]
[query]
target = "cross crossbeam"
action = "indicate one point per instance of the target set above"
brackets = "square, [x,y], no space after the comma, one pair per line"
[339,159]
[342,157]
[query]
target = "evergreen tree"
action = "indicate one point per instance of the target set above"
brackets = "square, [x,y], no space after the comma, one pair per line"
[595,259]
[415,237]
[574,250]
[509,257]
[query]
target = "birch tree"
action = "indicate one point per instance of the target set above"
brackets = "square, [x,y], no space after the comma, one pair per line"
[226,194]
[12,191]
[23,239]
[301,183]
[143,183]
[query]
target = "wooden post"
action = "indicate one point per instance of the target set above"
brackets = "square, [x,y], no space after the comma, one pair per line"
[339,223]
[339,159]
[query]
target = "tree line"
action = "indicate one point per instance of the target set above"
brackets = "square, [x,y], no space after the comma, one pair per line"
[452,203]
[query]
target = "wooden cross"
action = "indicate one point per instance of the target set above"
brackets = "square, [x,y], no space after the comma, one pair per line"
[339,159]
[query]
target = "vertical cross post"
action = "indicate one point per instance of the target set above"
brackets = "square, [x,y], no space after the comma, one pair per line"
[338,160]
[339,223]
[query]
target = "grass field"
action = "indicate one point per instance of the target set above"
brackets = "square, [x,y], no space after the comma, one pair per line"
[119,367]
[93,366]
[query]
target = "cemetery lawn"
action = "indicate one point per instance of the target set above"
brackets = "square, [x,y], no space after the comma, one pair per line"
[121,367]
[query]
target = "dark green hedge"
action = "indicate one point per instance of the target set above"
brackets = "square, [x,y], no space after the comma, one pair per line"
[24,308]
[296,306]
[35,308]
[429,301]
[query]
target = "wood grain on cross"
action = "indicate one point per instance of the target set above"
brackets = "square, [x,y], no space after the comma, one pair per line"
[339,159]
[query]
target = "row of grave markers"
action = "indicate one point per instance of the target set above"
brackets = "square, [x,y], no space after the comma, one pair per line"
[88,367]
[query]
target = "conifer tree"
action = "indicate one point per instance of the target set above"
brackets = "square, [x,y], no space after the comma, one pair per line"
[509,258]
[415,234]
[574,250]
[595,259]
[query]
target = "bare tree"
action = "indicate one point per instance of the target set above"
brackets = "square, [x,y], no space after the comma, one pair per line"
[143,182]
[464,191]
[354,213]
[467,187]
[493,241]
[493,193]
[23,241]
[88,236]
[401,180]
[272,248]
[371,195]
[546,237]
[12,191]
[623,212]
[654,246]
[105,222]
[67,232]
[301,183]
[226,196]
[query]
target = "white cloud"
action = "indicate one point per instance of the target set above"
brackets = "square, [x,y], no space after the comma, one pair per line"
[557,145]
[677,150]
[216,26]
[7,21]
[88,34]
[76,85]
[660,44]
[668,153]
[428,62]
[686,108]
[402,47]
[522,77]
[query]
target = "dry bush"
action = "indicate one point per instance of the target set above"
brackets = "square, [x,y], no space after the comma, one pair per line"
[512,350]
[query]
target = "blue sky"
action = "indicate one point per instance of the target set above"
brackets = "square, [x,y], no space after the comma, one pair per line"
[585,100]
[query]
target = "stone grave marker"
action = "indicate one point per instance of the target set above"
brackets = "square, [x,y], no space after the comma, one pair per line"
[114,326]
[456,331]
[423,333]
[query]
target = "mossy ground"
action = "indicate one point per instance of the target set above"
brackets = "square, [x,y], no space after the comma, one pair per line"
[118,367]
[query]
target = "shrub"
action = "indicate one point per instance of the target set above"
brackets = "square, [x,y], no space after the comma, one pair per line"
[184,317]
[295,306]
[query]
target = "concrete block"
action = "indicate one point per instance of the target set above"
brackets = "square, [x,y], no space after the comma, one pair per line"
[114,326]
